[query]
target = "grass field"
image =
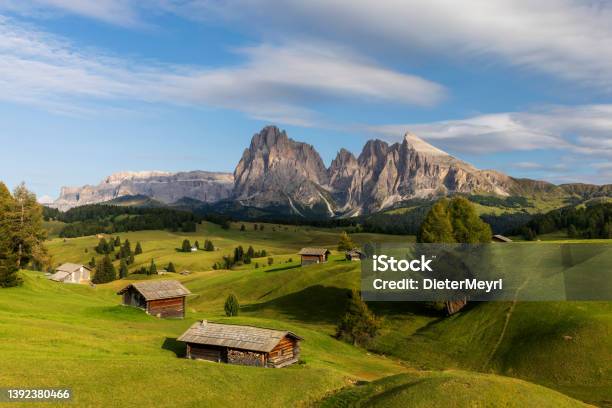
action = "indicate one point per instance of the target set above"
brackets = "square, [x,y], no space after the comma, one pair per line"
[78,336]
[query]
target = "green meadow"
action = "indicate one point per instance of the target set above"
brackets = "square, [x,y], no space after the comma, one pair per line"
[490,354]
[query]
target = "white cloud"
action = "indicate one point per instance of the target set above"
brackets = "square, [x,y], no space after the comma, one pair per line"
[274,82]
[565,38]
[118,12]
[584,130]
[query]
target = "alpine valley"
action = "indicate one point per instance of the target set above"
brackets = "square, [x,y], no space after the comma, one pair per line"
[279,176]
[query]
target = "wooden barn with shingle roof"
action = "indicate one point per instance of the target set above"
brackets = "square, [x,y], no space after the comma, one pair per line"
[243,345]
[314,255]
[161,298]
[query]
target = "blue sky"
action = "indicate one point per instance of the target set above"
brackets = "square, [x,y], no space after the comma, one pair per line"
[92,87]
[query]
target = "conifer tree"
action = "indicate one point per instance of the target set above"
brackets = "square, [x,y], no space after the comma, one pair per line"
[123,269]
[152,268]
[117,242]
[8,260]
[232,306]
[92,262]
[138,249]
[171,267]
[250,252]
[186,247]
[345,243]
[197,244]
[209,246]
[26,228]
[105,271]
[242,227]
[454,221]
[359,325]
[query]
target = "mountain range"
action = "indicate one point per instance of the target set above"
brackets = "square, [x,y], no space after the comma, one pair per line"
[276,172]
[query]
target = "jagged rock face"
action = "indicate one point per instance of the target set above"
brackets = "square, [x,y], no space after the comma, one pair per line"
[165,187]
[386,174]
[276,170]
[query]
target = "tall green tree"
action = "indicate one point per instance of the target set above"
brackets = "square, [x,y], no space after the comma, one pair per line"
[138,249]
[345,243]
[152,268]
[454,221]
[105,271]
[186,246]
[8,259]
[232,307]
[123,269]
[171,267]
[358,325]
[27,230]
[208,245]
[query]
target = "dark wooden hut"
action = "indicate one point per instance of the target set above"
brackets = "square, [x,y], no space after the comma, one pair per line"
[161,298]
[314,255]
[354,255]
[243,345]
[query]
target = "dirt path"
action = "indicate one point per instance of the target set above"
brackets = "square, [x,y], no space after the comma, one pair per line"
[506,323]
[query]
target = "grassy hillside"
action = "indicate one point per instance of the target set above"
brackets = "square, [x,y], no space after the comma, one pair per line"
[81,333]
[448,389]
[79,337]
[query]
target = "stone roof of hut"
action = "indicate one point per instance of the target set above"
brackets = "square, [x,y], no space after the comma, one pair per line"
[234,336]
[71,267]
[158,289]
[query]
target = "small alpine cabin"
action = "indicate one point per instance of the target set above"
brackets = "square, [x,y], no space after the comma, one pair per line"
[242,345]
[314,255]
[354,255]
[500,238]
[161,298]
[71,273]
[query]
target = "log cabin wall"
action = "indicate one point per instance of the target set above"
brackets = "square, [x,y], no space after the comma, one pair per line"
[208,353]
[173,307]
[311,259]
[286,352]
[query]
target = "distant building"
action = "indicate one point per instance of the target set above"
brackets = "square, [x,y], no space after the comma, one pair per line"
[243,345]
[161,298]
[71,273]
[185,273]
[354,255]
[314,255]
[194,249]
[500,238]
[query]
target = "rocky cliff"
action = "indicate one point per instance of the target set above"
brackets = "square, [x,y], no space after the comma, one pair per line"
[161,186]
[276,170]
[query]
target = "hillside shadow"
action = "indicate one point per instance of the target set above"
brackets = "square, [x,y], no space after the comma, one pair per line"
[315,304]
[282,268]
[175,346]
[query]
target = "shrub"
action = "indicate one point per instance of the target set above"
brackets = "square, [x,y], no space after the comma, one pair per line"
[231,305]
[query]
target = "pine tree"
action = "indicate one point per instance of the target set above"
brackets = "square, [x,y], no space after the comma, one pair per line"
[171,267]
[26,228]
[437,226]
[8,260]
[242,227]
[186,247]
[232,306]
[92,262]
[152,268]
[197,245]
[270,261]
[123,269]
[131,259]
[250,252]
[209,246]
[238,254]
[117,242]
[255,227]
[359,325]
[138,249]
[105,271]
[345,243]
[103,247]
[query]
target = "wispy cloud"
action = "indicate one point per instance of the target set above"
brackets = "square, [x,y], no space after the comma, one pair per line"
[568,39]
[275,83]
[585,130]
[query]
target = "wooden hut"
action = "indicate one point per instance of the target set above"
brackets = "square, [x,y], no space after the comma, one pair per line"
[500,238]
[161,298]
[314,255]
[354,255]
[71,273]
[243,345]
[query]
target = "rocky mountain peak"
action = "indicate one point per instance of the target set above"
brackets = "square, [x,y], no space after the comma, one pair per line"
[417,144]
